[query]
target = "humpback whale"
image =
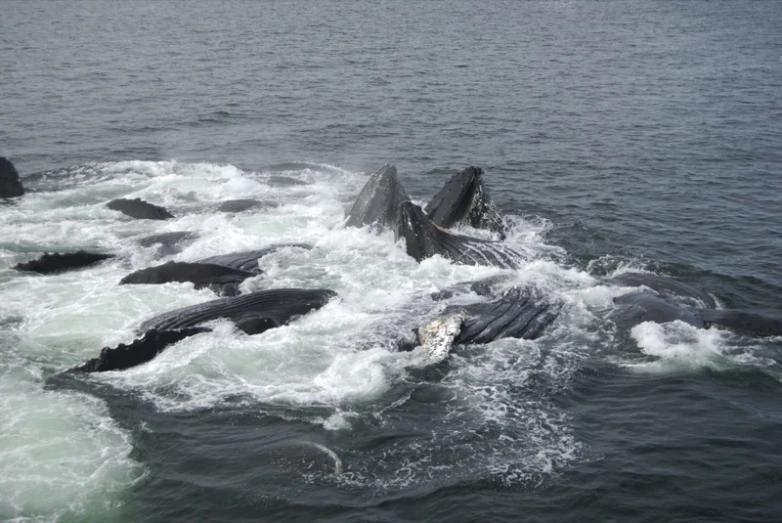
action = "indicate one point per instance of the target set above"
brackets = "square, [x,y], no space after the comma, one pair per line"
[248,260]
[220,278]
[243,205]
[62,262]
[665,286]
[167,242]
[383,203]
[10,183]
[424,239]
[138,208]
[464,200]
[252,313]
[222,273]
[640,306]
[378,202]
[518,313]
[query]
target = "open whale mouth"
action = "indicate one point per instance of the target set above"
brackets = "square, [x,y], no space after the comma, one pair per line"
[457,197]
[464,200]
[415,227]
[379,200]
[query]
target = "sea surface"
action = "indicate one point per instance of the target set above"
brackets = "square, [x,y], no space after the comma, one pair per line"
[615,136]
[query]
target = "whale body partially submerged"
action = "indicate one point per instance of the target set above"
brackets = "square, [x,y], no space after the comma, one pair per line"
[139,209]
[62,262]
[464,200]
[223,280]
[10,183]
[248,260]
[424,239]
[378,202]
[252,313]
[665,299]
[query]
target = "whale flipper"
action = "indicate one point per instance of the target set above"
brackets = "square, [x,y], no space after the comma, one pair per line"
[167,242]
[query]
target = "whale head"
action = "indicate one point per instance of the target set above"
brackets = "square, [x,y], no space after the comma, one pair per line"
[418,231]
[378,202]
[464,200]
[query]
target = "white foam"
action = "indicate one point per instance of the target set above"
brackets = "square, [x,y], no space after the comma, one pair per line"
[338,361]
[60,452]
[677,347]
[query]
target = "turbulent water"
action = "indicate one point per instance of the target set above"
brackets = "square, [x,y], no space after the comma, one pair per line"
[615,136]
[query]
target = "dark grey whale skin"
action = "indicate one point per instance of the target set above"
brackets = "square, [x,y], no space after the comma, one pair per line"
[464,200]
[637,307]
[220,278]
[518,313]
[424,239]
[10,183]
[252,313]
[139,209]
[277,306]
[665,286]
[62,262]
[377,204]
[168,243]
[383,203]
[248,260]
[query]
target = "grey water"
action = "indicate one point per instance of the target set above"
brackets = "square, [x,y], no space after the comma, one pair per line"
[615,135]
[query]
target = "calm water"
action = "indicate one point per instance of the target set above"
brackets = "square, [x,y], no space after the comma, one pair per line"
[615,135]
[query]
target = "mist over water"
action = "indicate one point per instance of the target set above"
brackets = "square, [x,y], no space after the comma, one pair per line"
[615,137]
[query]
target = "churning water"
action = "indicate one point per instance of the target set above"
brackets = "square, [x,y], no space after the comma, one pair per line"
[614,136]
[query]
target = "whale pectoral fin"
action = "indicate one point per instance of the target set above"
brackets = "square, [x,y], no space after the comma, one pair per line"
[256,324]
[438,336]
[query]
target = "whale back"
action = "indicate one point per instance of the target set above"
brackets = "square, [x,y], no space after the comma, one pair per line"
[272,307]
[464,200]
[667,287]
[248,260]
[378,202]
[62,262]
[201,274]
[139,209]
[424,239]
[638,307]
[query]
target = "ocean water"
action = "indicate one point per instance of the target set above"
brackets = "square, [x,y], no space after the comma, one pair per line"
[615,136]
